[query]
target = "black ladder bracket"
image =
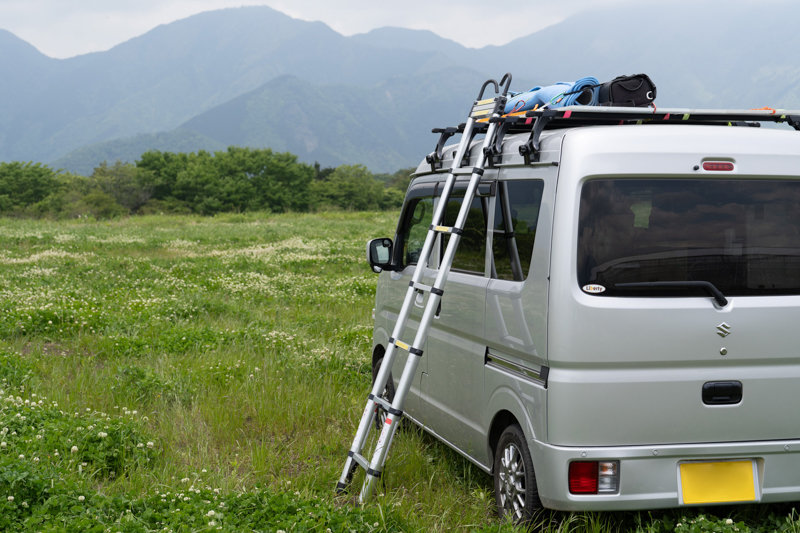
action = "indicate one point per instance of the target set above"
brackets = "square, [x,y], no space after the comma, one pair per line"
[478,128]
[794,121]
[494,153]
[435,159]
[531,149]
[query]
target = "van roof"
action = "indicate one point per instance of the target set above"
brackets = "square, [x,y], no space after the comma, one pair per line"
[688,127]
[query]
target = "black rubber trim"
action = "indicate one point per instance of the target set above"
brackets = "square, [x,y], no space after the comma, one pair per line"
[340,487]
[351,453]
[415,351]
[410,283]
[373,473]
[477,170]
[458,231]
[437,292]
[543,374]
[391,340]
[371,396]
[395,412]
[510,235]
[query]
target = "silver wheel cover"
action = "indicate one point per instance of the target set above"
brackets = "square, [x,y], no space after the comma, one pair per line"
[512,482]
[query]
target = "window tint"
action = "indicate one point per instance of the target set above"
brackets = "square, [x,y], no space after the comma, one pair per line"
[515,216]
[471,253]
[418,217]
[741,235]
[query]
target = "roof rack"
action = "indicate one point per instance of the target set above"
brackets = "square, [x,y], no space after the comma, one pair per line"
[535,121]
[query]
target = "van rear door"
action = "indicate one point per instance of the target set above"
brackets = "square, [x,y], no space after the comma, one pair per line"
[642,352]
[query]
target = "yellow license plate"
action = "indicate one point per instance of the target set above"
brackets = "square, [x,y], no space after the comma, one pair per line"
[728,481]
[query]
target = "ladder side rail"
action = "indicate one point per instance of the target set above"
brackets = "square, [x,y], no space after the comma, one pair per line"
[382,377]
[389,427]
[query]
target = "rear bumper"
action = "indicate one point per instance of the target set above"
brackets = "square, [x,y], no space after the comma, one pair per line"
[649,474]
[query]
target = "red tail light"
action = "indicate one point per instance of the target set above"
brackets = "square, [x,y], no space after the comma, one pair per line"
[717,165]
[583,477]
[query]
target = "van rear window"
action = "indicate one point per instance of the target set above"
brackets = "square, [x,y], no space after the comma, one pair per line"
[743,236]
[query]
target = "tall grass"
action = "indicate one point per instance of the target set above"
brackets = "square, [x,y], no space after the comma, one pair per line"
[235,351]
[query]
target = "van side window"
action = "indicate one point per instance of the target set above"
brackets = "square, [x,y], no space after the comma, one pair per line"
[418,218]
[516,213]
[471,253]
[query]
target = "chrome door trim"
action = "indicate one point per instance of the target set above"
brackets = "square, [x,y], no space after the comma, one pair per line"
[537,376]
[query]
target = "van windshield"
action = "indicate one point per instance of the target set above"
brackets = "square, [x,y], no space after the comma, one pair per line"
[743,236]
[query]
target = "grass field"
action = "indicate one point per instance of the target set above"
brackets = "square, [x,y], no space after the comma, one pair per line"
[202,374]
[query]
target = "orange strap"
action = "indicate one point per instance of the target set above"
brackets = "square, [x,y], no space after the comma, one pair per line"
[764,109]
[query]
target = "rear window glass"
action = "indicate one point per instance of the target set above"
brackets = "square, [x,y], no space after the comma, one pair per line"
[743,236]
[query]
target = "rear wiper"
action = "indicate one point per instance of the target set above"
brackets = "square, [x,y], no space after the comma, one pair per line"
[705,285]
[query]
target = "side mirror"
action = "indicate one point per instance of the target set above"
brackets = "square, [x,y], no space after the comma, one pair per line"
[379,254]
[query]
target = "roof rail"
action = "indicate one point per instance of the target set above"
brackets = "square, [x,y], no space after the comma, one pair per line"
[535,121]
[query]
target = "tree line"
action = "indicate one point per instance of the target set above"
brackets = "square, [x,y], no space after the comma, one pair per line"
[236,180]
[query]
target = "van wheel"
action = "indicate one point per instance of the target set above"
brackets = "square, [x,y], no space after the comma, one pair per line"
[387,394]
[514,481]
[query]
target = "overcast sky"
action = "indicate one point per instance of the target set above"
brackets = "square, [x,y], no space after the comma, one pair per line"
[65,28]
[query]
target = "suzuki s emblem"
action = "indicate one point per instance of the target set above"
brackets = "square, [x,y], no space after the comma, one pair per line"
[723,330]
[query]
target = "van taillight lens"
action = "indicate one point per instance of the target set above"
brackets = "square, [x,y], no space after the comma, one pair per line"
[717,166]
[583,477]
[594,477]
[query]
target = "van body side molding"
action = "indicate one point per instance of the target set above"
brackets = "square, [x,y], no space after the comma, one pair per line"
[539,376]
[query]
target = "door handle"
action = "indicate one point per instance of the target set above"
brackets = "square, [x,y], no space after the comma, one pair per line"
[722,392]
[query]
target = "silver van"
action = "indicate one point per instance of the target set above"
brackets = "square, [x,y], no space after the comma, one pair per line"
[618,326]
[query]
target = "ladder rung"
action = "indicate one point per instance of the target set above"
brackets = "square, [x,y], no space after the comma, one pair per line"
[360,459]
[426,288]
[404,346]
[363,463]
[461,171]
[447,229]
[385,405]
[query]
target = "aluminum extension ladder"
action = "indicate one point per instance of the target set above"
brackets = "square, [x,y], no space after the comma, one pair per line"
[481,109]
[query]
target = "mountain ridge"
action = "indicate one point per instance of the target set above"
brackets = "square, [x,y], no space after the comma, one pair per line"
[213,74]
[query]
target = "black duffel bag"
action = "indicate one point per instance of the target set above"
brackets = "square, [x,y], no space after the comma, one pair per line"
[630,91]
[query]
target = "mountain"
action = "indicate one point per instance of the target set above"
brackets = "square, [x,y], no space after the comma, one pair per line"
[256,77]
[163,78]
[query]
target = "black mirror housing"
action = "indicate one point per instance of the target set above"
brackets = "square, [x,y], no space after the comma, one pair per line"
[379,254]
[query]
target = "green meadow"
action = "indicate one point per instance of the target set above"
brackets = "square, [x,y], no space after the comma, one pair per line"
[186,373]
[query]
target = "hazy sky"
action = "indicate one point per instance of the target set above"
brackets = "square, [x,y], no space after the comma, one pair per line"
[64,28]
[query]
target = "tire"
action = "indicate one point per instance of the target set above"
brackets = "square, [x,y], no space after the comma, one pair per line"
[514,480]
[388,394]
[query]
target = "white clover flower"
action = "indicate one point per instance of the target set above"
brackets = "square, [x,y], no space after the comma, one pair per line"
[212,523]
[728,521]
[210,513]
[185,480]
[57,454]
[11,498]
[3,444]
[25,504]
[102,435]
[140,445]
[35,459]
[81,498]
[186,499]
[22,457]
[204,470]
[150,444]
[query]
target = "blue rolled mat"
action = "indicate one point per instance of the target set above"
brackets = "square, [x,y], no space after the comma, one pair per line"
[556,95]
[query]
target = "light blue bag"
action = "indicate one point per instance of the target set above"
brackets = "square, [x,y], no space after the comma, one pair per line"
[561,94]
